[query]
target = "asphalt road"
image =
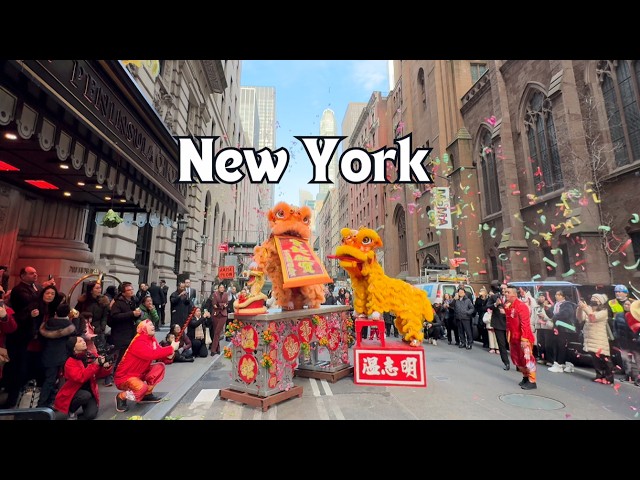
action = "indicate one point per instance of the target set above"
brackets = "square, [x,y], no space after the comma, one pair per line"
[462,385]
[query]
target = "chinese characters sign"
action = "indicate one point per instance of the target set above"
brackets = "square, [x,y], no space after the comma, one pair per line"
[400,367]
[227,272]
[300,266]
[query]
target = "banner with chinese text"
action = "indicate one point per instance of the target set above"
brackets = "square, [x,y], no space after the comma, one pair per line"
[300,265]
[403,366]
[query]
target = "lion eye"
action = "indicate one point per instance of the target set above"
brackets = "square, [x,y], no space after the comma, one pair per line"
[366,240]
[280,214]
[306,220]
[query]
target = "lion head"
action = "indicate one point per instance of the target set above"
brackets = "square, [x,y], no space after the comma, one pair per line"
[285,219]
[358,248]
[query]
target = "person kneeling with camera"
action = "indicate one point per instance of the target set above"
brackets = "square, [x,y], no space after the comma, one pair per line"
[80,388]
[137,374]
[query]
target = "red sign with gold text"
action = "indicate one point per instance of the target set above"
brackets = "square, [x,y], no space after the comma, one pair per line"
[227,272]
[300,266]
[399,367]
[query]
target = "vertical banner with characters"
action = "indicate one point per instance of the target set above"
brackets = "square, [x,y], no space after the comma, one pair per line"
[442,207]
[300,265]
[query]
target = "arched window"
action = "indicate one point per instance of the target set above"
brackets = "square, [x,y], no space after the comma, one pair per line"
[401,222]
[543,145]
[620,81]
[421,85]
[489,170]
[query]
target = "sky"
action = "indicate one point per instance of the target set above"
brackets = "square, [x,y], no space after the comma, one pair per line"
[304,89]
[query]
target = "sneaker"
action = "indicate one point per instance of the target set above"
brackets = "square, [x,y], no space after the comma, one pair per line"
[108,381]
[569,367]
[523,381]
[121,405]
[529,386]
[150,398]
[435,342]
[72,416]
[556,368]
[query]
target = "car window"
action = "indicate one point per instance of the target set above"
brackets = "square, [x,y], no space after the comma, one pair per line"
[450,289]
[469,292]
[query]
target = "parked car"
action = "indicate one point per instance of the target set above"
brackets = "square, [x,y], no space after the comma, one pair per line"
[448,285]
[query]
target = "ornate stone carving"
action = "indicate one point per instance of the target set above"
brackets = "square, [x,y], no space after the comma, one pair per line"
[27,121]
[8,104]
[46,135]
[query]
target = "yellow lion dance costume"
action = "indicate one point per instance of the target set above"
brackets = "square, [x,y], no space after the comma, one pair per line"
[285,219]
[375,293]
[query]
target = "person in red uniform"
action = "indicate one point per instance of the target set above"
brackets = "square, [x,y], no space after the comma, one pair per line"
[80,388]
[7,325]
[137,374]
[520,338]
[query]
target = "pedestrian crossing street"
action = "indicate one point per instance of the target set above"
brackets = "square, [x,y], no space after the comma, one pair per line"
[207,405]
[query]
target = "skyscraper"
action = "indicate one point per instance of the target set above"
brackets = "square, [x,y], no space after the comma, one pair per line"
[265,101]
[328,129]
[350,120]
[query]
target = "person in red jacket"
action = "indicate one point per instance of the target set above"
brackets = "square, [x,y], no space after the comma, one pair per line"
[137,374]
[7,325]
[520,338]
[80,388]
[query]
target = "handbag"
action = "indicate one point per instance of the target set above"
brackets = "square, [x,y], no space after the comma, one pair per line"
[199,332]
[203,352]
[486,318]
[207,336]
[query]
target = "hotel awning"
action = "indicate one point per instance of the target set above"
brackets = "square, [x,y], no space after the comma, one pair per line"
[86,122]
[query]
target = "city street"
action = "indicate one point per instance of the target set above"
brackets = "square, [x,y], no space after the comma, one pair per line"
[462,385]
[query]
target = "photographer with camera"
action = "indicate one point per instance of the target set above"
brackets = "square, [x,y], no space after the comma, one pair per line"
[80,388]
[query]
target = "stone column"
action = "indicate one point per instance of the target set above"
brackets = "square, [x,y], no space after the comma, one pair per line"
[51,239]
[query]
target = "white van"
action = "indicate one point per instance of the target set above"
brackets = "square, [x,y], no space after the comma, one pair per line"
[447,284]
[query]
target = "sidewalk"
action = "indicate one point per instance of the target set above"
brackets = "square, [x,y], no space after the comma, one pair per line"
[178,379]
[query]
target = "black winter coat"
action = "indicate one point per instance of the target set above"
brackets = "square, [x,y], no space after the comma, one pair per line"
[122,322]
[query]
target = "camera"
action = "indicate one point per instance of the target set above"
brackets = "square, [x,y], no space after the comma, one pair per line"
[107,352]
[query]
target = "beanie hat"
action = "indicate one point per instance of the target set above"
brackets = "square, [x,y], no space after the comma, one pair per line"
[438,300]
[600,298]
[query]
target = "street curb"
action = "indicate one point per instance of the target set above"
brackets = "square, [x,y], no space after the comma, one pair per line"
[161,409]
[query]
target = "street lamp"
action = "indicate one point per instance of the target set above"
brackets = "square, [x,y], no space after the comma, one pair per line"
[182,226]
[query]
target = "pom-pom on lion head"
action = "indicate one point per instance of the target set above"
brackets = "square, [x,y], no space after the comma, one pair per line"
[285,219]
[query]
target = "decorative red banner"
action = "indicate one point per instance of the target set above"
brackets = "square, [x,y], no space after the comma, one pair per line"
[300,265]
[226,272]
[399,367]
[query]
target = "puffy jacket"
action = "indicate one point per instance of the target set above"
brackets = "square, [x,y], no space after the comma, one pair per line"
[463,308]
